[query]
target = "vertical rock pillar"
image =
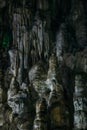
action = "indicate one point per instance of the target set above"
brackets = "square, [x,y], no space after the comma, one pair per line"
[59,116]
[57,109]
[40,122]
[80,104]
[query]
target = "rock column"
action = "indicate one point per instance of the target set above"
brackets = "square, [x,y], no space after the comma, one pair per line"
[80,104]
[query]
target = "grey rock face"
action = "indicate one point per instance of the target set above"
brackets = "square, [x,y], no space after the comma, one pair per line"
[40,122]
[16,103]
[80,104]
[43,5]
[77,62]
[2,120]
[2,3]
[13,62]
[17,98]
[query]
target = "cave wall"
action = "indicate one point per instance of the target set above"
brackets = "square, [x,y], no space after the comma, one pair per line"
[43,65]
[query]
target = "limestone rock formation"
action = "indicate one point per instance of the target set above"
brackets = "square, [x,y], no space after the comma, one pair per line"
[80,103]
[40,122]
[43,65]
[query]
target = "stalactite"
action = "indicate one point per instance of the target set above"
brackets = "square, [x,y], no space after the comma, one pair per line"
[39,39]
[79,23]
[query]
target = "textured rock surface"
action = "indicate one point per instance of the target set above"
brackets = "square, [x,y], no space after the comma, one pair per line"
[43,65]
[80,103]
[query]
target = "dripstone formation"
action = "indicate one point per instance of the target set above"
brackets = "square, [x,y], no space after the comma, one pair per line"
[43,65]
[80,103]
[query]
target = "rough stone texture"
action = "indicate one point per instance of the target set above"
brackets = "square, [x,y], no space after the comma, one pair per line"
[43,65]
[80,103]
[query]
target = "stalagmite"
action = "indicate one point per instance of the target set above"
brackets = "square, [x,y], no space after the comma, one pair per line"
[40,122]
[80,103]
[56,105]
[59,118]
[37,77]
